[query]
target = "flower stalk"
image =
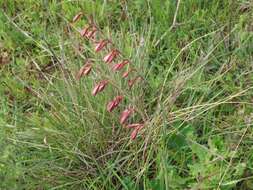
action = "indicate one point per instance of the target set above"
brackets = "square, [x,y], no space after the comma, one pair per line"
[90,32]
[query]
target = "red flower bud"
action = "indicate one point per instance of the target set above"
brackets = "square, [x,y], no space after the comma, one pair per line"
[101,45]
[85,70]
[114,103]
[99,87]
[111,56]
[125,115]
[77,17]
[120,65]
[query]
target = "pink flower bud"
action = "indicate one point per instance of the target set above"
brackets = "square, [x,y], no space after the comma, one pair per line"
[101,45]
[120,65]
[125,115]
[137,127]
[134,134]
[85,70]
[114,103]
[77,17]
[99,87]
[125,74]
[111,56]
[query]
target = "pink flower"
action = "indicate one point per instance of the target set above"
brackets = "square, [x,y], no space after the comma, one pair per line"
[99,87]
[137,127]
[120,65]
[134,133]
[77,17]
[85,70]
[101,45]
[111,56]
[91,34]
[85,31]
[125,115]
[88,32]
[114,103]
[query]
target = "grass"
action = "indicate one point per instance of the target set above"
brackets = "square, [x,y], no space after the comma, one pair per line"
[196,96]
